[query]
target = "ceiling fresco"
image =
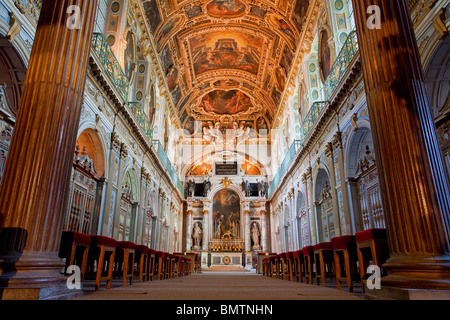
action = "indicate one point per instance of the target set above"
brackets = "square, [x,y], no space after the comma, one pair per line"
[227,57]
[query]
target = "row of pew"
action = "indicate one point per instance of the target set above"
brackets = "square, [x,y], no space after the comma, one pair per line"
[344,259]
[102,258]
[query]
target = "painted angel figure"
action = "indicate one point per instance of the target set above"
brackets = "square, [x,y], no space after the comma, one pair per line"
[240,134]
[207,135]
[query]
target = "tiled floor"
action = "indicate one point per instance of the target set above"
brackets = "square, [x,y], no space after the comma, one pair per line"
[221,286]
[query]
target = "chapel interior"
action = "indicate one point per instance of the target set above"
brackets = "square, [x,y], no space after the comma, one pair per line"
[302,142]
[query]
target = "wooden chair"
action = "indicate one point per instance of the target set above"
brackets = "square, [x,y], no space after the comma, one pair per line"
[308,256]
[289,264]
[75,249]
[161,264]
[102,251]
[324,261]
[188,266]
[2,218]
[271,266]
[345,258]
[277,266]
[141,259]
[298,265]
[152,264]
[172,265]
[372,246]
[124,261]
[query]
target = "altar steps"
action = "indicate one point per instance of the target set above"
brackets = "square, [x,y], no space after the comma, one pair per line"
[225,269]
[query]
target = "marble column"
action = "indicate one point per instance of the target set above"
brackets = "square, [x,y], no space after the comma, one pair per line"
[111,187]
[189,231]
[413,182]
[264,230]
[308,180]
[117,213]
[337,146]
[247,238]
[34,190]
[207,208]
[337,221]
[205,241]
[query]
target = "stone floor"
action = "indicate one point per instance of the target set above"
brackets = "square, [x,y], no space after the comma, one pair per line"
[221,286]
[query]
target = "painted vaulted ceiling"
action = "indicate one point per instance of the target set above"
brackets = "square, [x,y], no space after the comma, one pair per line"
[228,58]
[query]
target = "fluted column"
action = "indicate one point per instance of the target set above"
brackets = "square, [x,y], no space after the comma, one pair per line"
[188,230]
[34,190]
[312,208]
[337,221]
[205,242]
[264,230]
[337,146]
[414,185]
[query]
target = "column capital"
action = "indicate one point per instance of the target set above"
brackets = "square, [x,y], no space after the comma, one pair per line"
[337,140]
[123,151]
[115,142]
[144,174]
[329,150]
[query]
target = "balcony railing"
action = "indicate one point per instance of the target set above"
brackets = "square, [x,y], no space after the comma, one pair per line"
[114,71]
[340,66]
[337,73]
[141,118]
[171,171]
[109,62]
[284,165]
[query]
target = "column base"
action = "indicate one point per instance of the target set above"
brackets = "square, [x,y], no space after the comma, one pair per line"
[57,292]
[424,273]
[32,277]
[392,293]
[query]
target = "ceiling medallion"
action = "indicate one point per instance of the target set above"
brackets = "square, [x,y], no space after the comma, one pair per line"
[226,9]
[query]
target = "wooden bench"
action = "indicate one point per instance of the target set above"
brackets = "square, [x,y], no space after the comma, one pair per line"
[124,261]
[102,251]
[345,258]
[75,249]
[324,261]
[308,256]
[299,265]
[372,246]
[141,259]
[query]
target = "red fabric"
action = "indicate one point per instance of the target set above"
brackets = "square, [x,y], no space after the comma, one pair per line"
[344,242]
[371,234]
[289,255]
[308,250]
[158,253]
[142,249]
[103,241]
[75,237]
[69,238]
[152,252]
[297,254]
[323,246]
[126,245]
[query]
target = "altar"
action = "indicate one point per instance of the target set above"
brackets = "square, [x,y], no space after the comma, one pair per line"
[226,259]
